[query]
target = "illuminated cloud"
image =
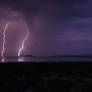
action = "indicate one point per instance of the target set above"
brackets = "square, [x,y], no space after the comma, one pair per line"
[58,27]
[15,32]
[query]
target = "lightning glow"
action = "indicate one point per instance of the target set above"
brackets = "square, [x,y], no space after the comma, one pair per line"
[20,60]
[3,59]
[23,43]
[4,39]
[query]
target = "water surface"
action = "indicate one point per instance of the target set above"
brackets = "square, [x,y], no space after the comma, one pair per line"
[46,59]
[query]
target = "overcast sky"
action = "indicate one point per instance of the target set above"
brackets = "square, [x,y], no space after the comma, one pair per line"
[57,27]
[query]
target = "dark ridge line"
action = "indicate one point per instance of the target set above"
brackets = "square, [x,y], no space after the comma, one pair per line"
[47,62]
[9,57]
[52,56]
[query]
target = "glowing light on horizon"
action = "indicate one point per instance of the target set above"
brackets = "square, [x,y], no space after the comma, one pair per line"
[20,59]
[4,39]
[3,60]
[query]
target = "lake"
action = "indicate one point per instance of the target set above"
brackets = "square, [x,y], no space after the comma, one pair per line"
[46,59]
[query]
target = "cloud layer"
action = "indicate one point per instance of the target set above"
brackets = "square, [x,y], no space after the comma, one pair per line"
[58,27]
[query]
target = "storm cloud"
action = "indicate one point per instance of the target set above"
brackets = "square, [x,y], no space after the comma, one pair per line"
[57,27]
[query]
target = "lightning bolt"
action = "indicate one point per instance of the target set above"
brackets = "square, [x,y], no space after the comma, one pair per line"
[23,43]
[4,39]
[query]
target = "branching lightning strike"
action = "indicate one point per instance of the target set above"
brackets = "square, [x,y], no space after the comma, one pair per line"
[23,43]
[4,39]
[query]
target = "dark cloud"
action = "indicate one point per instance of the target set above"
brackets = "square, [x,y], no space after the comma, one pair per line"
[57,27]
[35,6]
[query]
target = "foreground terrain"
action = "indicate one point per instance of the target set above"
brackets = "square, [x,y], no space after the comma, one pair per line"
[45,77]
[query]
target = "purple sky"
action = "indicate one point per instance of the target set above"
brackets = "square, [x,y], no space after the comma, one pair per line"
[57,27]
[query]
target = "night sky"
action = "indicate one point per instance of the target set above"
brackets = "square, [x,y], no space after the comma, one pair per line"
[57,27]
